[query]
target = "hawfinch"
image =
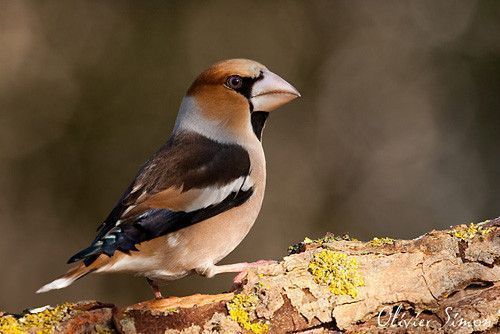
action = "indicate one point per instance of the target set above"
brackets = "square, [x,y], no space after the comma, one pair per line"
[196,198]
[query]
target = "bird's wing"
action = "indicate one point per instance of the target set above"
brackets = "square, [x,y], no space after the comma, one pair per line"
[190,179]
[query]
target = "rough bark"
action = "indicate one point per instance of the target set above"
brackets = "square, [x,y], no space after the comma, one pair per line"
[442,282]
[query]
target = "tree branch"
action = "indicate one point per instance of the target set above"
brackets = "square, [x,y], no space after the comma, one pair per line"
[442,282]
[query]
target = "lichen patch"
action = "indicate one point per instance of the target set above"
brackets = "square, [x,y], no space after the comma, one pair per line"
[241,308]
[44,322]
[339,271]
[378,242]
[469,232]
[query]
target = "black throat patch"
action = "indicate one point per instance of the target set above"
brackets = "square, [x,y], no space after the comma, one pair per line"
[258,122]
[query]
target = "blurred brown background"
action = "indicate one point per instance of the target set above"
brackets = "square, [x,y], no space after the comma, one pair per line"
[397,131]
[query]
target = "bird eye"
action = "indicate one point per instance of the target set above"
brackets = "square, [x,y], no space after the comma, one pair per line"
[234,82]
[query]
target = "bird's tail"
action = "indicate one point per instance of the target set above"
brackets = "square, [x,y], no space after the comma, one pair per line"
[67,279]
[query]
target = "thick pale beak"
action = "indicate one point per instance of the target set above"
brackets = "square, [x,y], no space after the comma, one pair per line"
[271,92]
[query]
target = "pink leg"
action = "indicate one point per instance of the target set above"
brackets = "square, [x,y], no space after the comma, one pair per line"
[155,288]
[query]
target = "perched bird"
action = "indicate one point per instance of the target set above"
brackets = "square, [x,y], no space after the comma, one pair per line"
[196,198]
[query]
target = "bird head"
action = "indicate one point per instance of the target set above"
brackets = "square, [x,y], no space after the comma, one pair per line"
[222,99]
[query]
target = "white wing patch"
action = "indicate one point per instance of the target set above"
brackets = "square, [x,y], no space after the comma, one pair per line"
[214,195]
[207,196]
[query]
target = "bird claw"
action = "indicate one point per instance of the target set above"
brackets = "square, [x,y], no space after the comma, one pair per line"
[156,289]
[158,295]
[239,279]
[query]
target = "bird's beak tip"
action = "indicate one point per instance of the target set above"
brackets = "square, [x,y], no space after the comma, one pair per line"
[272,92]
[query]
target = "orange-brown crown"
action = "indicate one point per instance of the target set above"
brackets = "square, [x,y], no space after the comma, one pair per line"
[218,73]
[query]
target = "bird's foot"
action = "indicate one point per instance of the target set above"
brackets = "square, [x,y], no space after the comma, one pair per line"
[158,295]
[155,288]
[240,268]
[239,279]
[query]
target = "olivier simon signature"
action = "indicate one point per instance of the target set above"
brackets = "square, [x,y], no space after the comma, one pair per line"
[400,318]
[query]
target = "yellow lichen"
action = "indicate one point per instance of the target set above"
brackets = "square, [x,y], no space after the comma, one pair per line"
[9,325]
[337,270]
[44,322]
[468,232]
[308,240]
[377,242]
[171,310]
[240,308]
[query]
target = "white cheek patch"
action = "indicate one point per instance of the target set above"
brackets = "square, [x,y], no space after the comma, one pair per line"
[191,119]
